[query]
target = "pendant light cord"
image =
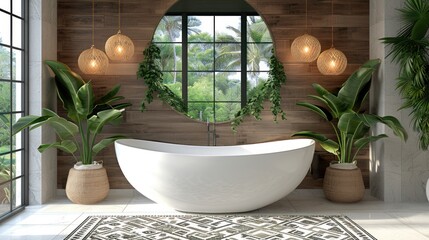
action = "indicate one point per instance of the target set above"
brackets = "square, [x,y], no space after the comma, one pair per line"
[332,23]
[306,15]
[119,26]
[92,22]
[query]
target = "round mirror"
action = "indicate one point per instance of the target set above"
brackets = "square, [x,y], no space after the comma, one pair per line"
[214,55]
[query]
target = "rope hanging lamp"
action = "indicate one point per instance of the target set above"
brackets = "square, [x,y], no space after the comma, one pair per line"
[332,61]
[305,48]
[93,60]
[119,46]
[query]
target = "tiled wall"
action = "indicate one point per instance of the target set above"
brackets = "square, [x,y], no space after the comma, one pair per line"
[43,46]
[399,171]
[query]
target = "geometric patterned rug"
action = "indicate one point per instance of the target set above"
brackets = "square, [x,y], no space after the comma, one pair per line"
[214,227]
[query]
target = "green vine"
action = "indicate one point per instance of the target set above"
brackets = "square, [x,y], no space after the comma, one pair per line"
[409,50]
[270,90]
[150,71]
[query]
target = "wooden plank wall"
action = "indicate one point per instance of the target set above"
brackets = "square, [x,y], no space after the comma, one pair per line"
[286,20]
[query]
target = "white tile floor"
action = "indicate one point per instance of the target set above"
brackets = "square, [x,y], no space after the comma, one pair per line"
[55,220]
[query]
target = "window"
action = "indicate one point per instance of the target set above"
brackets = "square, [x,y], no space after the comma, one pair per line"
[12,98]
[214,61]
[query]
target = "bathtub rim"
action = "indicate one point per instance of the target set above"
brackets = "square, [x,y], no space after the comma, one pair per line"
[123,142]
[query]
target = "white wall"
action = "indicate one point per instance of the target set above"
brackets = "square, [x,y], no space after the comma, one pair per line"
[43,46]
[398,170]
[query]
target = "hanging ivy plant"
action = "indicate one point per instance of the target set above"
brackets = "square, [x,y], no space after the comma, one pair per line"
[150,71]
[410,51]
[270,90]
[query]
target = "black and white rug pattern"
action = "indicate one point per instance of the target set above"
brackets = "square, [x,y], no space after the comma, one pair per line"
[214,227]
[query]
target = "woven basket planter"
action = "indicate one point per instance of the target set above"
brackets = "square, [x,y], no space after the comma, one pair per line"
[343,185]
[87,186]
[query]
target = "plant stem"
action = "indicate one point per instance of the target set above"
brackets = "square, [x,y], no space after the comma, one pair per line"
[92,143]
[89,147]
[352,142]
[84,152]
[349,149]
[343,147]
[338,137]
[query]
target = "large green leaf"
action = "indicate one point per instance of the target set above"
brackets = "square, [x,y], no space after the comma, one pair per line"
[416,15]
[86,97]
[356,87]
[63,128]
[57,66]
[319,99]
[45,112]
[320,90]
[104,143]
[420,28]
[117,120]
[67,84]
[326,143]
[321,111]
[118,106]
[362,142]
[27,121]
[107,101]
[349,123]
[361,131]
[114,99]
[396,126]
[109,95]
[336,106]
[67,146]
[70,89]
[97,122]
[48,112]
[391,122]
[67,101]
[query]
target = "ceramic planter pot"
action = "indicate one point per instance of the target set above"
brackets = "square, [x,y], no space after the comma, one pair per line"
[87,185]
[343,184]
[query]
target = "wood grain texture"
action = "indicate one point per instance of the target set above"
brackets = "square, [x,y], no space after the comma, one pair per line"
[286,21]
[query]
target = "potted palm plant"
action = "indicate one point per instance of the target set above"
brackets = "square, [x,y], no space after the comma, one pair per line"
[77,134]
[343,179]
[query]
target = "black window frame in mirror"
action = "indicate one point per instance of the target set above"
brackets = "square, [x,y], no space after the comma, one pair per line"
[243,71]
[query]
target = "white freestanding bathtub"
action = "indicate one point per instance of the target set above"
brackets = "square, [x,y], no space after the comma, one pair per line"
[215,179]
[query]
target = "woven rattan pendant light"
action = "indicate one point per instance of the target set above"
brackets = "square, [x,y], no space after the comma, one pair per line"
[93,60]
[305,48]
[332,61]
[119,46]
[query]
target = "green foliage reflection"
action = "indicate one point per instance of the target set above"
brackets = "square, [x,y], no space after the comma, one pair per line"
[214,62]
